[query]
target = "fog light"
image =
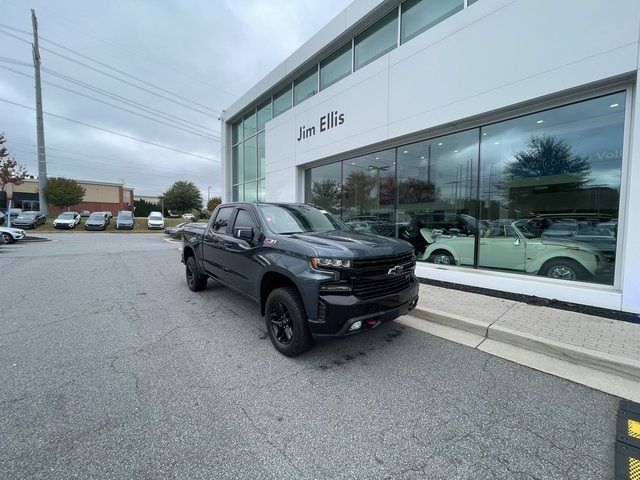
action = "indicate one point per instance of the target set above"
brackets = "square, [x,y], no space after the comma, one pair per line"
[356,325]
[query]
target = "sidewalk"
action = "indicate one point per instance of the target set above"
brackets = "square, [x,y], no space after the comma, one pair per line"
[532,333]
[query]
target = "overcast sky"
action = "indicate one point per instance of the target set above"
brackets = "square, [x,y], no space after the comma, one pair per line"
[208,52]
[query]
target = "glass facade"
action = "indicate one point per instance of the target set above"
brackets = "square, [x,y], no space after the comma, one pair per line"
[248,156]
[536,195]
[335,67]
[375,41]
[420,15]
[306,86]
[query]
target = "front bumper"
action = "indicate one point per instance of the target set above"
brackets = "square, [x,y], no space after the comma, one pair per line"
[337,313]
[155,227]
[95,227]
[64,225]
[124,227]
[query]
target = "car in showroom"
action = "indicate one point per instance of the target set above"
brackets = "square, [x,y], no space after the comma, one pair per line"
[155,220]
[125,220]
[29,219]
[11,235]
[514,247]
[67,220]
[96,221]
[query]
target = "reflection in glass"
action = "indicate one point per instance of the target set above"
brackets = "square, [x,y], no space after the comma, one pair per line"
[249,124]
[250,192]
[378,39]
[437,183]
[282,101]
[335,67]
[236,132]
[323,187]
[420,15]
[305,86]
[262,193]
[368,193]
[238,193]
[237,164]
[250,159]
[261,155]
[264,114]
[555,177]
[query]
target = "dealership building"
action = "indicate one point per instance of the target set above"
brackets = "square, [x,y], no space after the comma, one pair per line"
[500,137]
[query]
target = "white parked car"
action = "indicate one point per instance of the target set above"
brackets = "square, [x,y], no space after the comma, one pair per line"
[67,220]
[155,220]
[11,235]
[515,247]
[189,217]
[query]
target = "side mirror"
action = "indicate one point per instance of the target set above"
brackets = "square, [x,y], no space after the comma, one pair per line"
[516,242]
[243,233]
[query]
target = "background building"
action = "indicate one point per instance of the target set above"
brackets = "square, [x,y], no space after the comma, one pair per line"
[494,135]
[99,196]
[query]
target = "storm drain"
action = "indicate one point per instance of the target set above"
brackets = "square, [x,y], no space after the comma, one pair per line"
[628,441]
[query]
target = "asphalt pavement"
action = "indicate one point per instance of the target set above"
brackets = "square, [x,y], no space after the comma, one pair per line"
[111,368]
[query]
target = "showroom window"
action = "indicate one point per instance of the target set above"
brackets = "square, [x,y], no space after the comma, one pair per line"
[335,67]
[264,114]
[421,15]
[534,195]
[437,184]
[375,41]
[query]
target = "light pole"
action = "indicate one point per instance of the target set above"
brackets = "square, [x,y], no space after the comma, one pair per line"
[208,194]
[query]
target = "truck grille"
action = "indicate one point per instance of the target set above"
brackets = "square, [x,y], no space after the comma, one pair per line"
[371,277]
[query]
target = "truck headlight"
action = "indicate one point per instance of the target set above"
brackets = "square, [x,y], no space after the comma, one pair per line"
[330,263]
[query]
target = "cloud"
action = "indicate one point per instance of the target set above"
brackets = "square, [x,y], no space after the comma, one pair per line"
[208,52]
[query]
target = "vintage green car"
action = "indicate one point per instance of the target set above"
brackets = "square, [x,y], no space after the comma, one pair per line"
[512,246]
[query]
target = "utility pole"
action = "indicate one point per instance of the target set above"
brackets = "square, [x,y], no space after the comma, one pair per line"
[42,159]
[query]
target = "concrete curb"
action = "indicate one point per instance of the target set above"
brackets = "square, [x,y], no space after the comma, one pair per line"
[605,362]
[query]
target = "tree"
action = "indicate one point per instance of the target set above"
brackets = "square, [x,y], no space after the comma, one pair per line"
[325,193]
[182,196]
[142,208]
[10,170]
[63,192]
[546,155]
[213,203]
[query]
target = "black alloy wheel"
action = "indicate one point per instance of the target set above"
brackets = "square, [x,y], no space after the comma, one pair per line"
[286,321]
[281,324]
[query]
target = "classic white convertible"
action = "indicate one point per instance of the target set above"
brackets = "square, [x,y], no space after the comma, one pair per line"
[512,246]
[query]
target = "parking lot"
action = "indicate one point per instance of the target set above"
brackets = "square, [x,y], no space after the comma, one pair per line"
[111,368]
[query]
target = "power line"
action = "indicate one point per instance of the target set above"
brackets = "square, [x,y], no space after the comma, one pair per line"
[112,132]
[107,74]
[145,56]
[115,106]
[112,95]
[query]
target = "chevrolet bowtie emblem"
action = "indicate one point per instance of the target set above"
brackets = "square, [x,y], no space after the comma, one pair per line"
[397,270]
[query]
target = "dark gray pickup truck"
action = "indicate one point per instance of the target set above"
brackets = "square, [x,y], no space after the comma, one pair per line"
[310,273]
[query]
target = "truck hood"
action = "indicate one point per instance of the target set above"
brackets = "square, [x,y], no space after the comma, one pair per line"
[348,244]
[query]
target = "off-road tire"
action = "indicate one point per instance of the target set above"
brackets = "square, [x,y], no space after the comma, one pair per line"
[301,339]
[195,280]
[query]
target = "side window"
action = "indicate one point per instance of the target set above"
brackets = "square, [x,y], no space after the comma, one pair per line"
[222,219]
[244,220]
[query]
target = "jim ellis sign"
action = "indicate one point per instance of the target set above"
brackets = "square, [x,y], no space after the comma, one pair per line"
[326,122]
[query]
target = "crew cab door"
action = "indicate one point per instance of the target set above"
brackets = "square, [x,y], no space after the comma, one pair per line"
[239,258]
[213,240]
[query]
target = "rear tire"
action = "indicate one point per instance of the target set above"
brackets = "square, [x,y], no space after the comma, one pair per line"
[195,280]
[564,269]
[286,322]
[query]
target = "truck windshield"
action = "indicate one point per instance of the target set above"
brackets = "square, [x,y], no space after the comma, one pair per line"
[285,219]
